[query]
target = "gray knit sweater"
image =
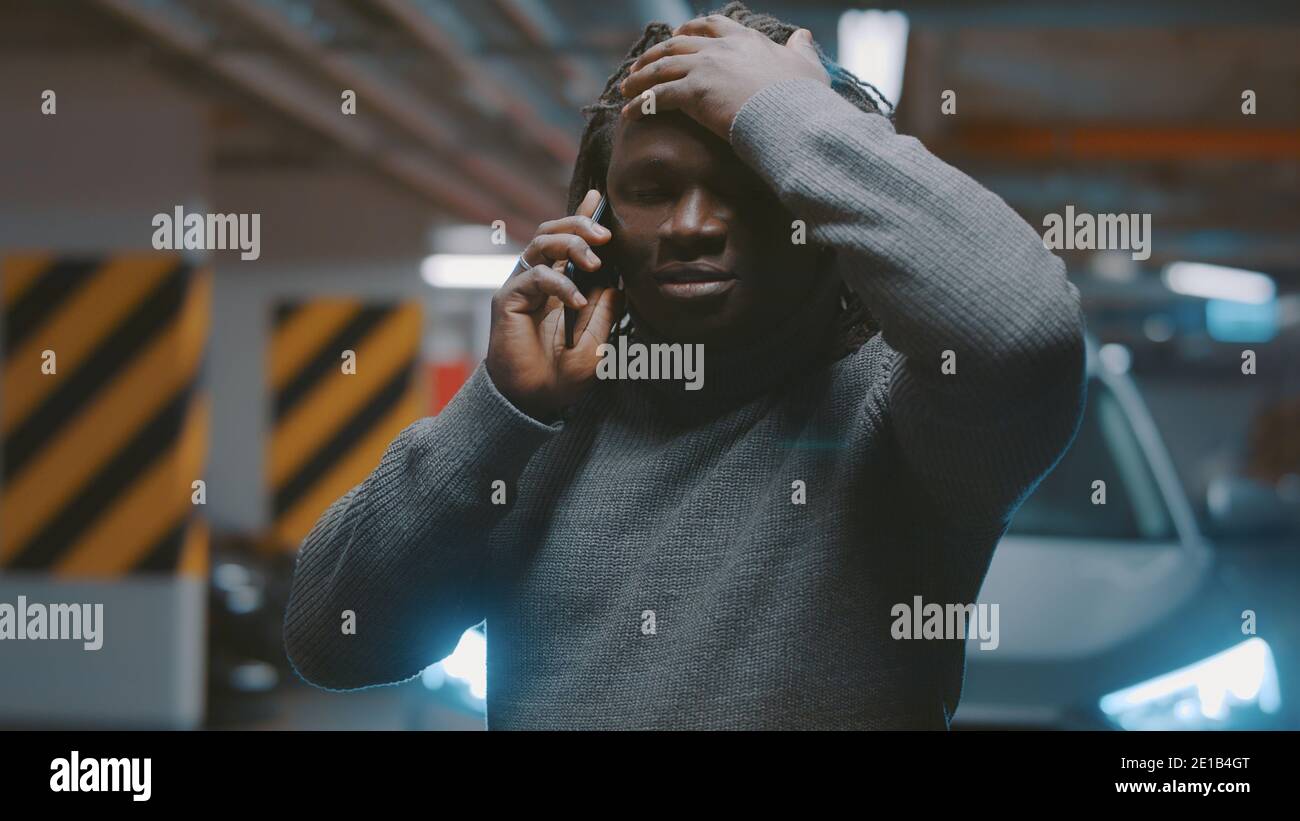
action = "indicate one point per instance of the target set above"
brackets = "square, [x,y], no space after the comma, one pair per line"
[652,567]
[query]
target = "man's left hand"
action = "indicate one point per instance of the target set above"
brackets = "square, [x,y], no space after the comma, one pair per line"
[711,66]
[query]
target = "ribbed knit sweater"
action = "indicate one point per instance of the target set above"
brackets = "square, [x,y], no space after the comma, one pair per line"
[654,565]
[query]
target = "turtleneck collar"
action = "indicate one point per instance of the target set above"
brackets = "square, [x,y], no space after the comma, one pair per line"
[733,377]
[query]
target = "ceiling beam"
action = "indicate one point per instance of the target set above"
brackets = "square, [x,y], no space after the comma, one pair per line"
[519,111]
[542,29]
[412,112]
[440,184]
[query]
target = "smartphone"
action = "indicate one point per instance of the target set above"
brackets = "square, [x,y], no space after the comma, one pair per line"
[585,280]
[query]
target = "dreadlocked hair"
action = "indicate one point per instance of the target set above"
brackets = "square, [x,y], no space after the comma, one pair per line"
[854,324]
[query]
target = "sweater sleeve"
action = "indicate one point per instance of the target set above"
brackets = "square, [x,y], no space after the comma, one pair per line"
[953,275]
[406,549]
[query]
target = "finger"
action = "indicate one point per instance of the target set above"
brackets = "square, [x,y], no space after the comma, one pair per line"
[581,225]
[587,207]
[558,249]
[713,25]
[660,71]
[667,96]
[598,318]
[681,44]
[586,210]
[529,291]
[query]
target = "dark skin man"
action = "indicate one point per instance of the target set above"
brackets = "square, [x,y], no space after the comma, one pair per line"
[873,407]
[702,245]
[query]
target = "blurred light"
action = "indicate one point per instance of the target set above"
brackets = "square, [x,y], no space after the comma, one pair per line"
[1218,499]
[466,238]
[873,45]
[253,677]
[242,595]
[229,576]
[467,663]
[1218,282]
[467,270]
[1204,695]
[243,600]
[1113,266]
[1115,357]
[1158,328]
[1240,321]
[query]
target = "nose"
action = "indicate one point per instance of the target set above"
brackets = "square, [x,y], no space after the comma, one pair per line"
[697,226]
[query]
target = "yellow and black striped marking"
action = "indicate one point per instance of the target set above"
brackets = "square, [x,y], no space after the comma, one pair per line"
[99,456]
[330,428]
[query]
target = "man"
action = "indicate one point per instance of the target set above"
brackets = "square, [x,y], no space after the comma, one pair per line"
[648,556]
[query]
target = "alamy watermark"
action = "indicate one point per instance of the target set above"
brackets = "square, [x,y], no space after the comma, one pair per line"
[1098,232]
[658,360]
[951,621]
[57,622]
[208,232]
[77,774]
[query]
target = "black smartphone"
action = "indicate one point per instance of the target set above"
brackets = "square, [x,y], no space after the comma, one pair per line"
[585,280]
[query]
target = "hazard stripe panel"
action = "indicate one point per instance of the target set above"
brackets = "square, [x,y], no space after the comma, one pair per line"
[330,427]
[104,428]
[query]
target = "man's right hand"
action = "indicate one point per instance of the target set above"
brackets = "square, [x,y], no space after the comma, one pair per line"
[526,357]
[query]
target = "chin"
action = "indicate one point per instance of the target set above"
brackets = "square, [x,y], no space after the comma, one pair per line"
[720,333]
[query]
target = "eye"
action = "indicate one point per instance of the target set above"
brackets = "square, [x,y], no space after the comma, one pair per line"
[650,193]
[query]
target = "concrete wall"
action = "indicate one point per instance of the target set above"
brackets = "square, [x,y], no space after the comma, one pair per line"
[123,146]
[331,233]
[126,144]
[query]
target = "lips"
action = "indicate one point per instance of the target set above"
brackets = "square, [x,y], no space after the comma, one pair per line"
[689,282]
[692,272]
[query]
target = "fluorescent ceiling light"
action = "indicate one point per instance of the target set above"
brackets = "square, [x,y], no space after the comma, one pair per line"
[486,271]
[1217,282]
[873,45]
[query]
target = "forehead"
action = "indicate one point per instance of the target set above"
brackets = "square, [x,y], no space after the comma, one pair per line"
[671,139]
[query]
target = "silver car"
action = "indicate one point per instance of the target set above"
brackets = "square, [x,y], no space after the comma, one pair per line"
[1124,613]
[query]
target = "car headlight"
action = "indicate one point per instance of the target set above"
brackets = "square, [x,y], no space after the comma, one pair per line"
[1224,690]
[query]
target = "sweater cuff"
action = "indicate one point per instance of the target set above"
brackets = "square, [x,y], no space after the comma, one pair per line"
[480,420]
[774,123]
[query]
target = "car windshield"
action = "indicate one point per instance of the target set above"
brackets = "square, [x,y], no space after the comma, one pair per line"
[1068,503]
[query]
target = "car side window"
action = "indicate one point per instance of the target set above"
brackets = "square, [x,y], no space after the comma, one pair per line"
[1068,502]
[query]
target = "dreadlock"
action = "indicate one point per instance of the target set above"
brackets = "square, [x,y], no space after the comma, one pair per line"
[854,324]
